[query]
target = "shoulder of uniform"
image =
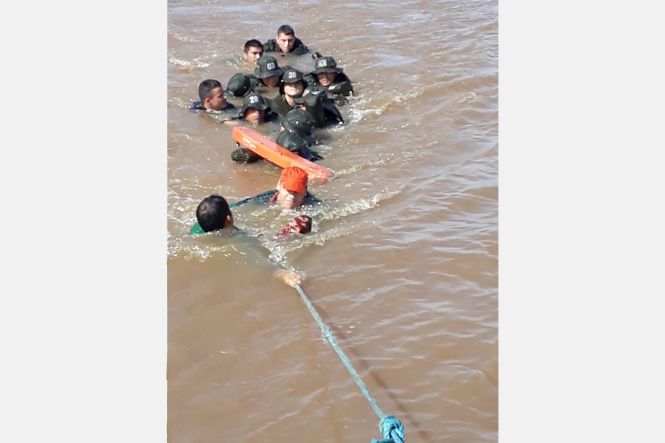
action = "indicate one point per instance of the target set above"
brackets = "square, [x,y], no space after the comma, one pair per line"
[197,106]
[299,47]
[342,77]
[270,45]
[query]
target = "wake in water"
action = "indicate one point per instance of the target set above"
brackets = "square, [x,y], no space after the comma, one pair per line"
[331,219]
[193,64]
[323,228]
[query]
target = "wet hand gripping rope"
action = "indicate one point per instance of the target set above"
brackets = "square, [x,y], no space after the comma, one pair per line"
[391,428]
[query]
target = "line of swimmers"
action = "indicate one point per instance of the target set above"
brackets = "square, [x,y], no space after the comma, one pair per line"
[301,103]
[272,92]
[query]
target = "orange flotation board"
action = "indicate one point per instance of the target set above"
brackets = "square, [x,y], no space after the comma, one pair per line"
[278,155]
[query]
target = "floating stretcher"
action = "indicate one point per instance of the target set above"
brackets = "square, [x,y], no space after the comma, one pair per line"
[278,155]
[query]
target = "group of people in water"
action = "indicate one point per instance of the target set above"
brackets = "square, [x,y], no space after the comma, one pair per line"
[300,102]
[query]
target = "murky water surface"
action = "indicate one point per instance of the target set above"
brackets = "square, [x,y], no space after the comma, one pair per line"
[402,261]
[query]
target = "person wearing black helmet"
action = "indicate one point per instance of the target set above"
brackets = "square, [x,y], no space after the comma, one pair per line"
[241,84]
[297,135]
[255,111]
[332,78]
[291,88]
[265,80]
[286,42]
[268,71]
[294,93]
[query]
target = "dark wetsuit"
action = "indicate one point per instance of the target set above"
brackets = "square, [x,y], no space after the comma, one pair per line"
[298,47]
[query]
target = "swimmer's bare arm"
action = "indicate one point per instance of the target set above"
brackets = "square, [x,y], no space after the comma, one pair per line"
[290,278]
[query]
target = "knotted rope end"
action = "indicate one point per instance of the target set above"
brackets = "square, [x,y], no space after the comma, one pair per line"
[392,430]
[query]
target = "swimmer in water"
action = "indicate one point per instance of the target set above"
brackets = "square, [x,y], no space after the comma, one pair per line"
[286,42]
[214,214]
[301,224]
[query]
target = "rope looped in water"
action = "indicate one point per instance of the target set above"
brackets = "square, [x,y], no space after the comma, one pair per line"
[391,428]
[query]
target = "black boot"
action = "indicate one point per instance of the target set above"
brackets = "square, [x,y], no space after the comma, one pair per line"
[242,155]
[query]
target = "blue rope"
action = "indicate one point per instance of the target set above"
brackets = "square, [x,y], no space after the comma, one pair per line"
[391,428]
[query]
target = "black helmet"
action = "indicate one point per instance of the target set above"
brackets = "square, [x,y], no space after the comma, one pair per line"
[325,64]
[238,84]
[267,66]
[253,100]
[297,120]
[292,75]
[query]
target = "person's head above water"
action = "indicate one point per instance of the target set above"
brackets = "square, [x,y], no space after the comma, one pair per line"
[291,187]
[213,213]
[286,38]
[268,70]
[326,70]
[301,224]
[298,121]
[211,94]
[252,51]
[253,108]
[293,82]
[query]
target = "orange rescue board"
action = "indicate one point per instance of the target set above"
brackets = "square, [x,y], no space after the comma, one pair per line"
[278,155]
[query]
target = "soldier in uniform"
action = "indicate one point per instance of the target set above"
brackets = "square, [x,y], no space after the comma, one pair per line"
[286,42]
[295,93]
[255,111]
[333,79]
[252,51]
[265,80]
[291,88]
[213,102]
[211,98]
[297,135]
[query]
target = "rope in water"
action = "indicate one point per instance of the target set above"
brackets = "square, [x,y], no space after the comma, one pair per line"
[391,428]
